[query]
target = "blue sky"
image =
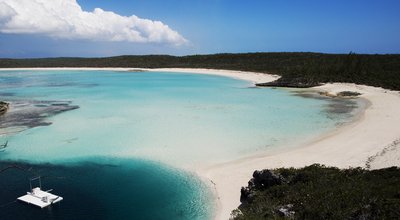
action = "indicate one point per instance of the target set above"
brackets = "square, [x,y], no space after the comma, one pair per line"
[209,26]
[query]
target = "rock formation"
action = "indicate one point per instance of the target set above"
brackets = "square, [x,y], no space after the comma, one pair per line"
[4,106]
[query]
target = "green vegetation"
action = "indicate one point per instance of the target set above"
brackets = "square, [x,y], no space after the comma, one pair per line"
[304,69]
[318,192]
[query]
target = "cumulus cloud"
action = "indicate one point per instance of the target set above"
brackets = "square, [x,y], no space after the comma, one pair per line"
[66,19]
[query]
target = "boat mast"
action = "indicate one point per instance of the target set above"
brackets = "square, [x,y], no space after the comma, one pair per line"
[33,179]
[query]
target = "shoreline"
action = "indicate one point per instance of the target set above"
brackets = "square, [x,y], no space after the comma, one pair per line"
[351,145]
[242,75]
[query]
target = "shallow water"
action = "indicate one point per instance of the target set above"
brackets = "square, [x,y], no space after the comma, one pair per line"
[172,119]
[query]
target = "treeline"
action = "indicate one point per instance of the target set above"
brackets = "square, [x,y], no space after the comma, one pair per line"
[306,68]
[319,192]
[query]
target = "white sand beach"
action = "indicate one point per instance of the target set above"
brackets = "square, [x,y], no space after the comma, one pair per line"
[373,138]
[370,141]
[248,76]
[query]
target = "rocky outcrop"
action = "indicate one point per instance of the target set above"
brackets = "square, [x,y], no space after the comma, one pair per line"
[290,83]
[4,106]
[319,192]
[348,94]
[343,94]
[286,211]
[33,113]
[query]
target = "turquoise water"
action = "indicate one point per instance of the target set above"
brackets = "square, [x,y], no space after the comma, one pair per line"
[171,119]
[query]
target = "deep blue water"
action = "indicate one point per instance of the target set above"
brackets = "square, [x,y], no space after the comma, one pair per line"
[110,189]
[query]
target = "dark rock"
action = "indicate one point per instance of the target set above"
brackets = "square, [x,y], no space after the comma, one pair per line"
[286,211]
[348,94]
[4,106]
[290,83]
[33,113]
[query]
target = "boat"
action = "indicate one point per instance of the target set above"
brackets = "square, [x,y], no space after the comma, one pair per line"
[38,197]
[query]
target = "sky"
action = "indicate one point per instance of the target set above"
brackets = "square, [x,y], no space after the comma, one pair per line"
[97,28]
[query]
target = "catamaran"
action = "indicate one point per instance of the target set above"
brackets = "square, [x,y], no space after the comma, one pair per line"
[38,197]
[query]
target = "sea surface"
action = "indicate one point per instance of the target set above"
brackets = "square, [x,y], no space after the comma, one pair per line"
[124,145]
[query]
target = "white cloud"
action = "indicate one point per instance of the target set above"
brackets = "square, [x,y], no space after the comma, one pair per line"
[66,19]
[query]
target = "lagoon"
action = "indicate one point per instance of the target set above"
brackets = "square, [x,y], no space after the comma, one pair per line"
[154,129]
